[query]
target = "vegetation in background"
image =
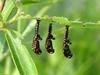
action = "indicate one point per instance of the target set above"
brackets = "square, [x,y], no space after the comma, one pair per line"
[17,21]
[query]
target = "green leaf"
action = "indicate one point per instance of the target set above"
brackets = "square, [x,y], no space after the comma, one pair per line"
[24,2]
[0,17]
[21,56]
[2,42]
[9,5]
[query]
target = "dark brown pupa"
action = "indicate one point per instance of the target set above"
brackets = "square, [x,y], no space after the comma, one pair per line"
[66,50]
[36,38]
[48,43]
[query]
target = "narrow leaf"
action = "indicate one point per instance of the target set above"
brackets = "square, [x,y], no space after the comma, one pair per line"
[0,17]
[2,42]
[24,2]
[9,5]
[21,56]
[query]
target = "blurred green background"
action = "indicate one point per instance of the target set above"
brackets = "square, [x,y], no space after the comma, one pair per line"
[85,41]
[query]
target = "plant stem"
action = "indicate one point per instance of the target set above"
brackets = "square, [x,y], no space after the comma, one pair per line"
[32,23]
[7,65]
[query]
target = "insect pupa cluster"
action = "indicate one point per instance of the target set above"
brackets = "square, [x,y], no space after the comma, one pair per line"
[48,42]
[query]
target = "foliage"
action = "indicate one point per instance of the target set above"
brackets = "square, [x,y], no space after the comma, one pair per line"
[17,21]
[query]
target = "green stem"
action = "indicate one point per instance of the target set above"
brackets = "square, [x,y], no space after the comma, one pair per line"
[7,65]
[15,17]
[19,25]
[32,23]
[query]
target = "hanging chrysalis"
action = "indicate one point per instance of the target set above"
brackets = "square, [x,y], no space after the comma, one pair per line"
[48,43]
[37,37]
[66,49]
